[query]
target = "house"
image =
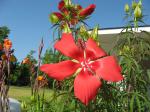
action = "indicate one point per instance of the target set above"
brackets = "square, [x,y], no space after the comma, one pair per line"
[108,36]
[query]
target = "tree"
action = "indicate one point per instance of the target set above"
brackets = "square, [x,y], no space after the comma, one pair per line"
[31,57]
[51,56]
[4,31]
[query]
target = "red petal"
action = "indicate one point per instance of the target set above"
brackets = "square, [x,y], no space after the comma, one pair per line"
[61,5]
[108,69]
[86,86]
[68,47]
[59,15]
[60,70]
[93,51]
[88,11]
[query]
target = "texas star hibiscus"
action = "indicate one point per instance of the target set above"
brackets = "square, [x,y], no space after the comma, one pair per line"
[93,63]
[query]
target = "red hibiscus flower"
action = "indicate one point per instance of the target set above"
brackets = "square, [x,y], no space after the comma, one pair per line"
[87,11]
[93,63]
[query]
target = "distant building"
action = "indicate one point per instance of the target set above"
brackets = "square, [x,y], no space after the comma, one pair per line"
[108,36]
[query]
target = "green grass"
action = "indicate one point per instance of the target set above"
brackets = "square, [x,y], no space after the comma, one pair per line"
[24,93]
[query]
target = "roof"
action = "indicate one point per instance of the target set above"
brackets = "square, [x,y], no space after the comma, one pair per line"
[108,36]
[116,30]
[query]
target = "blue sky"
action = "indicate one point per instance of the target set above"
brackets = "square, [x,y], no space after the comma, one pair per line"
[28,20]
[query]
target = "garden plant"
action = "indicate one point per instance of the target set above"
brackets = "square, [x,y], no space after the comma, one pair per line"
[79,74]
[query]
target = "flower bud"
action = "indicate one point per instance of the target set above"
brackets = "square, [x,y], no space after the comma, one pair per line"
[26,61]
[32,98]
[61,5]
[67,2]
[134,4]
[94,33]
[83,29]
[140,3]
[7,44]
[74,21]
[83,32]
[55,17]
[40,78]
[12,58]
[137,12]
[87,11]
[126,8]
[4,57]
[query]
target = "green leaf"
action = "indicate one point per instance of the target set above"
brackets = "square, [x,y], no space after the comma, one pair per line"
[148,73]
[61,107]
[138,103]
[132,103]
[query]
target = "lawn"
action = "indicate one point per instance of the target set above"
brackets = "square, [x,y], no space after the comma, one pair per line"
[24,93]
